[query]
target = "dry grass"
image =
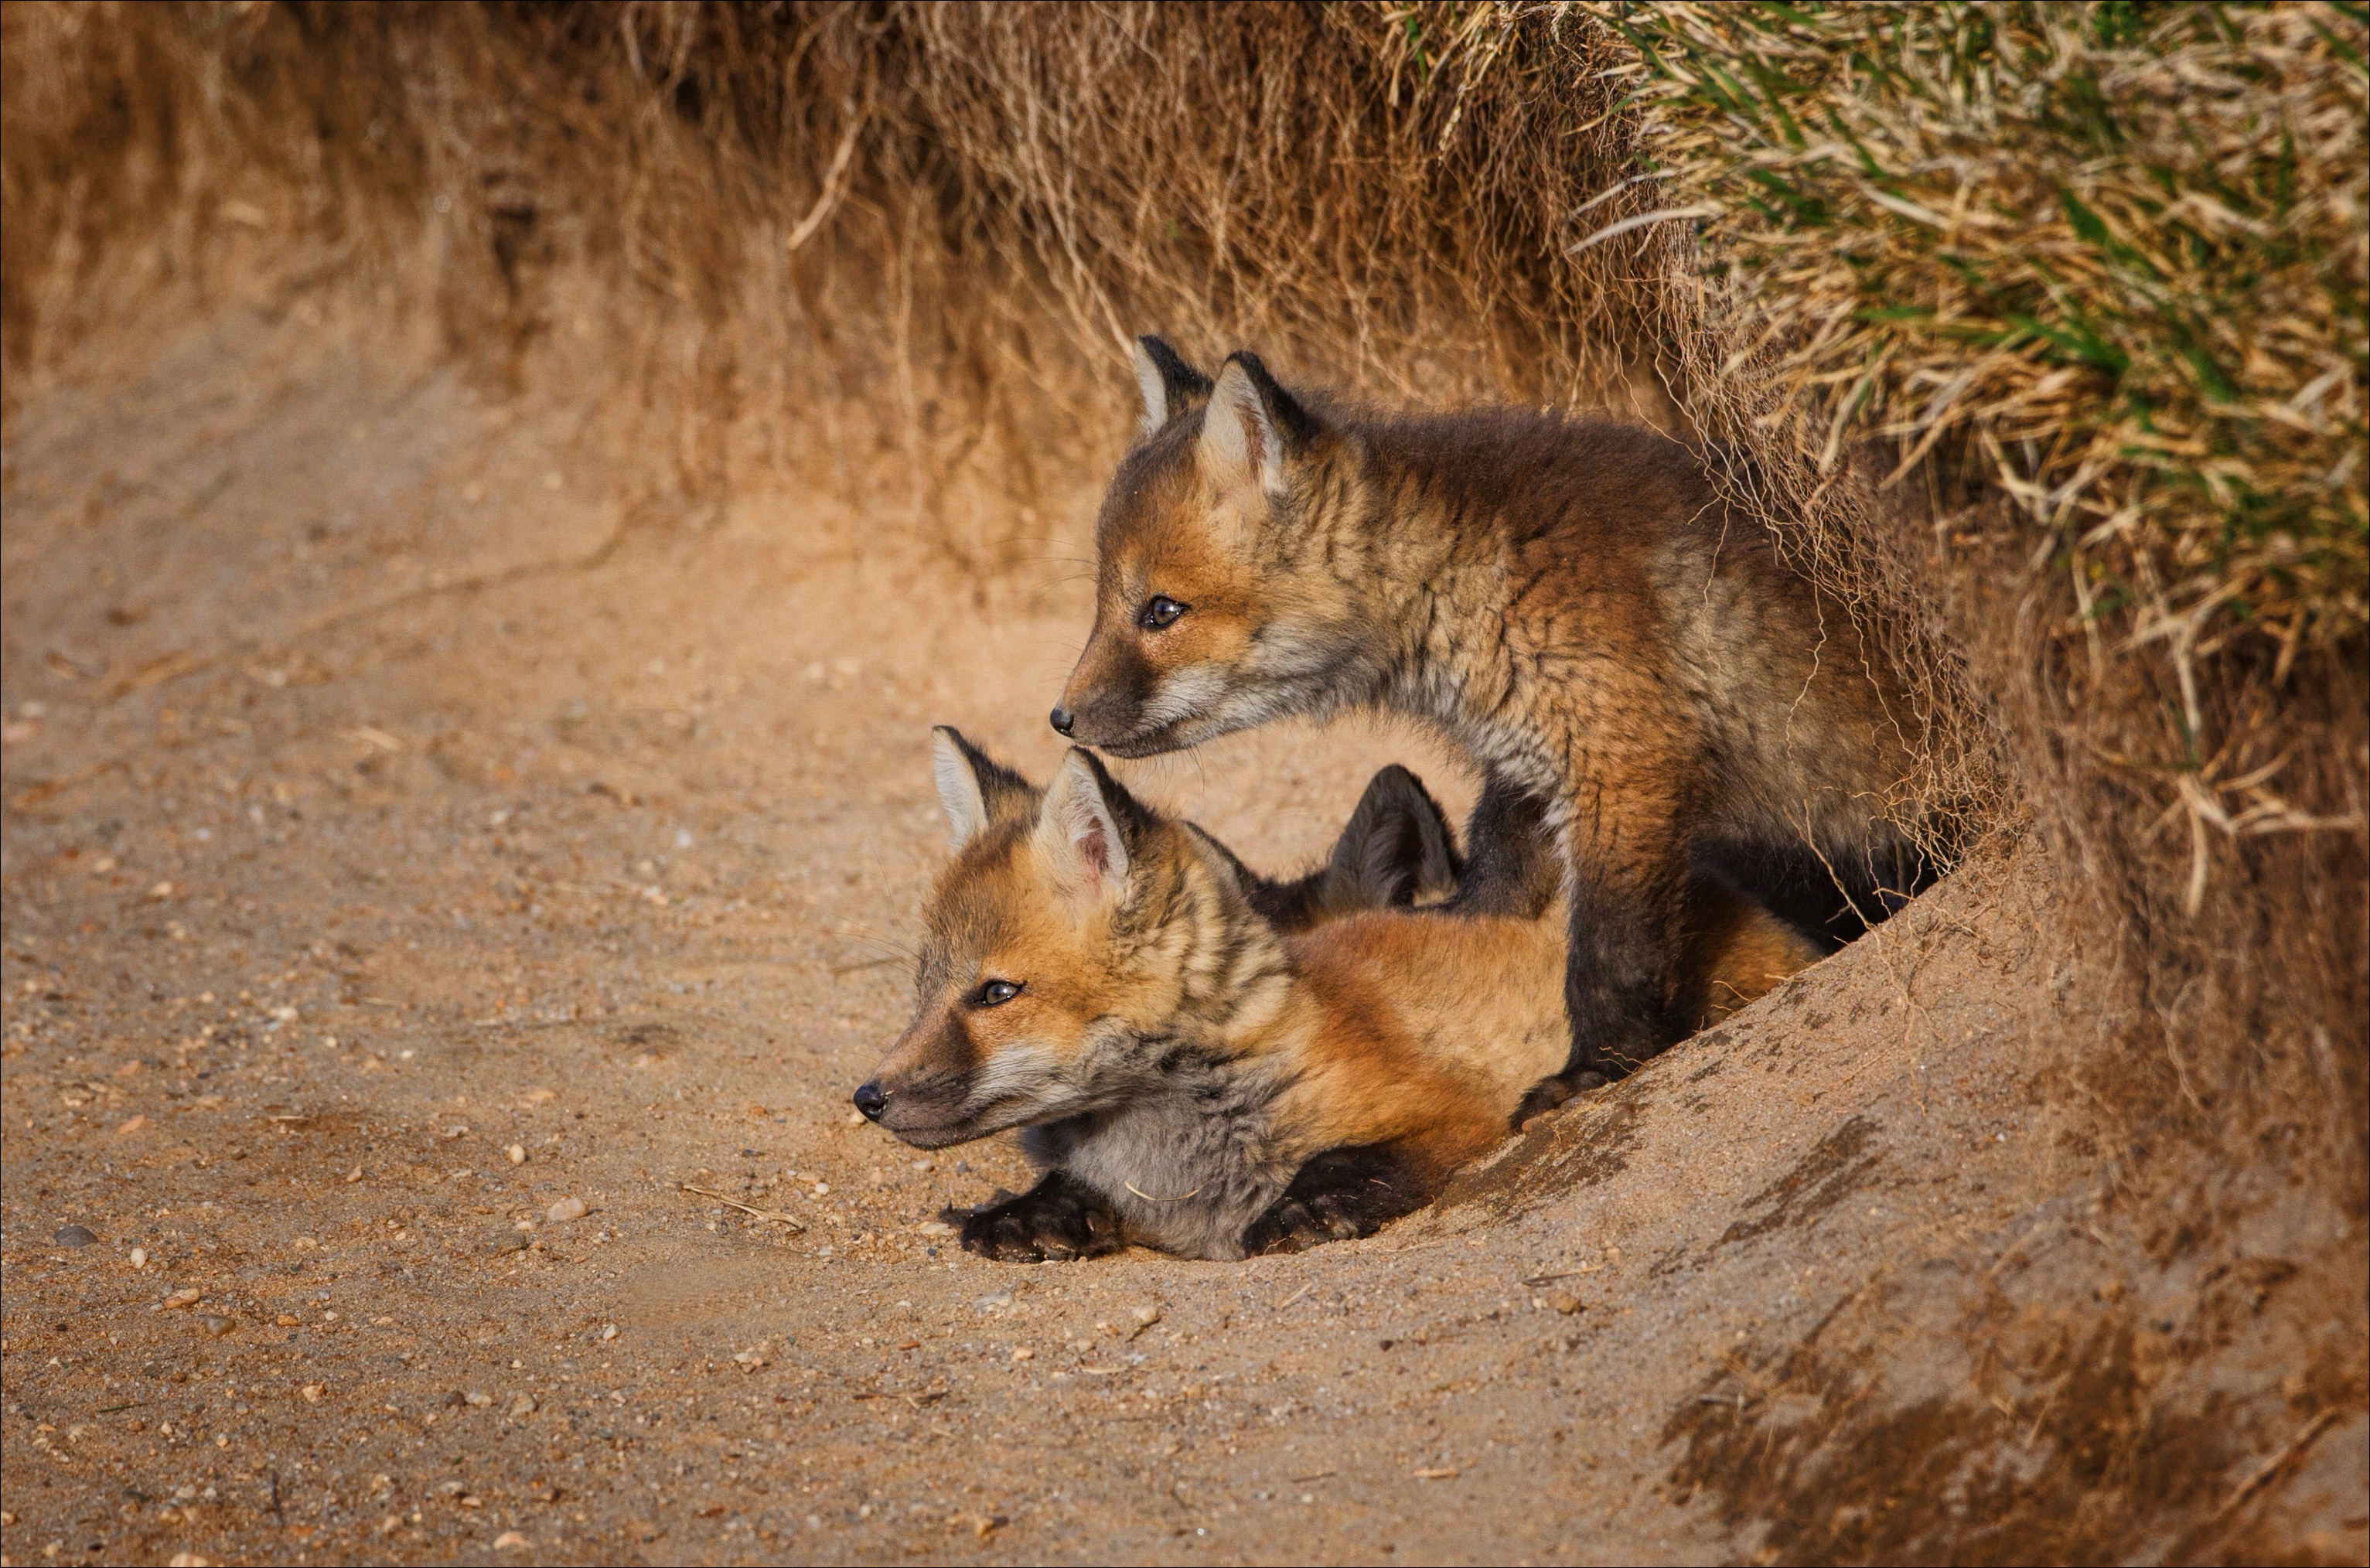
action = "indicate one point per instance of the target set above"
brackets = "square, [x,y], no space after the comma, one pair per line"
[820,234]
[2120,259]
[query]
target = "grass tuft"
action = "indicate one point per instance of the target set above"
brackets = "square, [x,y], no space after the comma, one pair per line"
[2118,254]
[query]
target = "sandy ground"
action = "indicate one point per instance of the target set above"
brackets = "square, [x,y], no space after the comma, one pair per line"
[406,834]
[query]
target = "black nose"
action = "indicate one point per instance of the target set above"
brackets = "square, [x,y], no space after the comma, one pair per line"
[870,1101]
[1063,718]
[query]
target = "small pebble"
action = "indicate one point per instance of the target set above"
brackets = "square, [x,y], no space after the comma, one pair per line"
[312,1392]
[511,1540]
[139,1257]
[74,1236]
[216,1325]
[609,1333]
[181,1298]
[565,1210]
[523,1405]
[509,1241]
[478,1397]
[132,1125]
[1565,1302]
[517,1153]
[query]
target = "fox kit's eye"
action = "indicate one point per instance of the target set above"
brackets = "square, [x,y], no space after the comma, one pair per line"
[1160,611]
[995,993]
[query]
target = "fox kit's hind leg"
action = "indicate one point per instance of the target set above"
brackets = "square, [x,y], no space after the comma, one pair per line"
[1057,1219]
[1342,1195]
[1832,895]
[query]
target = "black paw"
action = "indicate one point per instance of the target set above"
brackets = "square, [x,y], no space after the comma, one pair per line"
[1547,1094]
[1294,1224]
[1055,1221]
[1340,1195]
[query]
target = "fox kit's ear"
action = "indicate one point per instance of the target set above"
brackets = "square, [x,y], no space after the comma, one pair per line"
[975,790]
[1395,847]
[1253,426]
[1169,386]
[1079,830]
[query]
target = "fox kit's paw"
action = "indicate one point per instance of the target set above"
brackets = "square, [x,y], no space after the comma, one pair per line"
[1056,1220]
[1549,1093]
[1340,1195]
[1294,1224]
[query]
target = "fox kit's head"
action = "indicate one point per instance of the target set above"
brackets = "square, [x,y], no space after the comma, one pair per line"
[1215,609]
[1073,939]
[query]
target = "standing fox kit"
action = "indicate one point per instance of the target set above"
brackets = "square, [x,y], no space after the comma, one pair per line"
[1190,1074]
[1641,680]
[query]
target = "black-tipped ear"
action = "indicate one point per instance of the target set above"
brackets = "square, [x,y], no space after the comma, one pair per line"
[1169,386]
[1395,849]
[1133,814]
[976,790]
[1253,428]
[1291,418]
[1089,828]
[1512,866]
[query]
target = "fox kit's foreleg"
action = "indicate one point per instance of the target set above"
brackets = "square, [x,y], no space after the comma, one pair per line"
[1624,835]
[1340,1195]
[1058,1219]
[1624,879]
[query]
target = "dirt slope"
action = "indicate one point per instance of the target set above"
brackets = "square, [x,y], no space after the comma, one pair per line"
[388,788]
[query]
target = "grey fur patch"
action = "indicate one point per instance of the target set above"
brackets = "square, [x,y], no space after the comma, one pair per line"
[1188,1166]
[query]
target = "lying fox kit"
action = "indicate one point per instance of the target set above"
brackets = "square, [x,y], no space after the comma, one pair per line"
[1190,1075]
[1569,599]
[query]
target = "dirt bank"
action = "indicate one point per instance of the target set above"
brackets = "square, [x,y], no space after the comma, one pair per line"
[406,832]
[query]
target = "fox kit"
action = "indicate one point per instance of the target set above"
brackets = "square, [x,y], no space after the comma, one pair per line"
[1189,1075]
[1641,680]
